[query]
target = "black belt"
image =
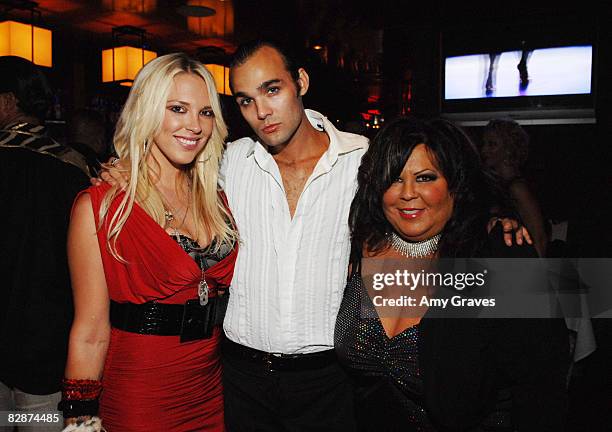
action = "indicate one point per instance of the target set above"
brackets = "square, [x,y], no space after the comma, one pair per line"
[190,321]
[280,362]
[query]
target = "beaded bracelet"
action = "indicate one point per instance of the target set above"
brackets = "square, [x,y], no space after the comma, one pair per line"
[80,389]
[80,397]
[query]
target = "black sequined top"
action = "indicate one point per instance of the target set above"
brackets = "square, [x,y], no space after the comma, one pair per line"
[479,375]
[385,370]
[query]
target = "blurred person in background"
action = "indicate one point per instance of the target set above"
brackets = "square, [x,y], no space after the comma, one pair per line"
[86,133]
[505,149]
[39,179]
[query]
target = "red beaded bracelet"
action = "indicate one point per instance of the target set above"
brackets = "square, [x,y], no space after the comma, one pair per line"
[80,389]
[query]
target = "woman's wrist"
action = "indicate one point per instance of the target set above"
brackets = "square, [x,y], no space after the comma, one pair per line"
[80,397]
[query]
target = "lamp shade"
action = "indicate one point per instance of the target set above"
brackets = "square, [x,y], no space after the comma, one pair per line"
[221,76]
[121,64]
[27,41]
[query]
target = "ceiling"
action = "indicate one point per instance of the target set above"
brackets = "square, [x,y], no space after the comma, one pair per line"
[165,27]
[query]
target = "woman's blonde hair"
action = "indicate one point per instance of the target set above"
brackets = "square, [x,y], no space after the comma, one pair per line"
[141,120]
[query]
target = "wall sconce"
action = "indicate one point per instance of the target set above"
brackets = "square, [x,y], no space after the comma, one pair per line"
[121,64]
[221,76]
[26,40]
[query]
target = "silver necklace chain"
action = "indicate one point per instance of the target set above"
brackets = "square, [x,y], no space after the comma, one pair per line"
[203,289]
[415,249]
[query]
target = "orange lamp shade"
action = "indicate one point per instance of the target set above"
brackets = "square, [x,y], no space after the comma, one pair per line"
[221,76]
[123,63]
[27,41]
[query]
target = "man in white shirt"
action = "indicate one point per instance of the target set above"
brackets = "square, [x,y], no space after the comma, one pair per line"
[290,191]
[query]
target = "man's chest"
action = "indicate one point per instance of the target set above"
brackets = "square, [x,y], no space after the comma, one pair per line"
[262,201]
[294,179]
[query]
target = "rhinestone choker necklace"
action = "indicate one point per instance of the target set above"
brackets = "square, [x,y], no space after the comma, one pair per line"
[417,249]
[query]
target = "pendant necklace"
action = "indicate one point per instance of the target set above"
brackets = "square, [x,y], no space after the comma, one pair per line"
[203,289]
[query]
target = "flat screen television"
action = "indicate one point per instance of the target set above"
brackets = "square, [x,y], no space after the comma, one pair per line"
[547,85]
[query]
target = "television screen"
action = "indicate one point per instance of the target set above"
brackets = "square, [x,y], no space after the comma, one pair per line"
[545,85]
[539,72]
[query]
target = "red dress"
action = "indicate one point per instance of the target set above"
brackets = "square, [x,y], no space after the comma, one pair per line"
[155,383]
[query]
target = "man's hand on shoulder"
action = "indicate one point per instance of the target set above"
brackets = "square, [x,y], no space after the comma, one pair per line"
[114,173]
[510,227]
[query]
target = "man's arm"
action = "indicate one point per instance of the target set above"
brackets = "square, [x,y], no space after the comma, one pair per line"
[529,210]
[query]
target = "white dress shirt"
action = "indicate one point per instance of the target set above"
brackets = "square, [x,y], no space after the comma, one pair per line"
[290,273]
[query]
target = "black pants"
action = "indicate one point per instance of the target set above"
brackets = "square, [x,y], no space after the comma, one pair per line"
[311,400]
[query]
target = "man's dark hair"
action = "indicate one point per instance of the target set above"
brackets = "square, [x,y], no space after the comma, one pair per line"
[27,83]
[247,49]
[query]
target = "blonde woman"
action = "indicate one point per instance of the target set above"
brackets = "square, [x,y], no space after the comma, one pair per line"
[148,264]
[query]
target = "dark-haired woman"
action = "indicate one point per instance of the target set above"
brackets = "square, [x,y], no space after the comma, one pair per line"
[422,194]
